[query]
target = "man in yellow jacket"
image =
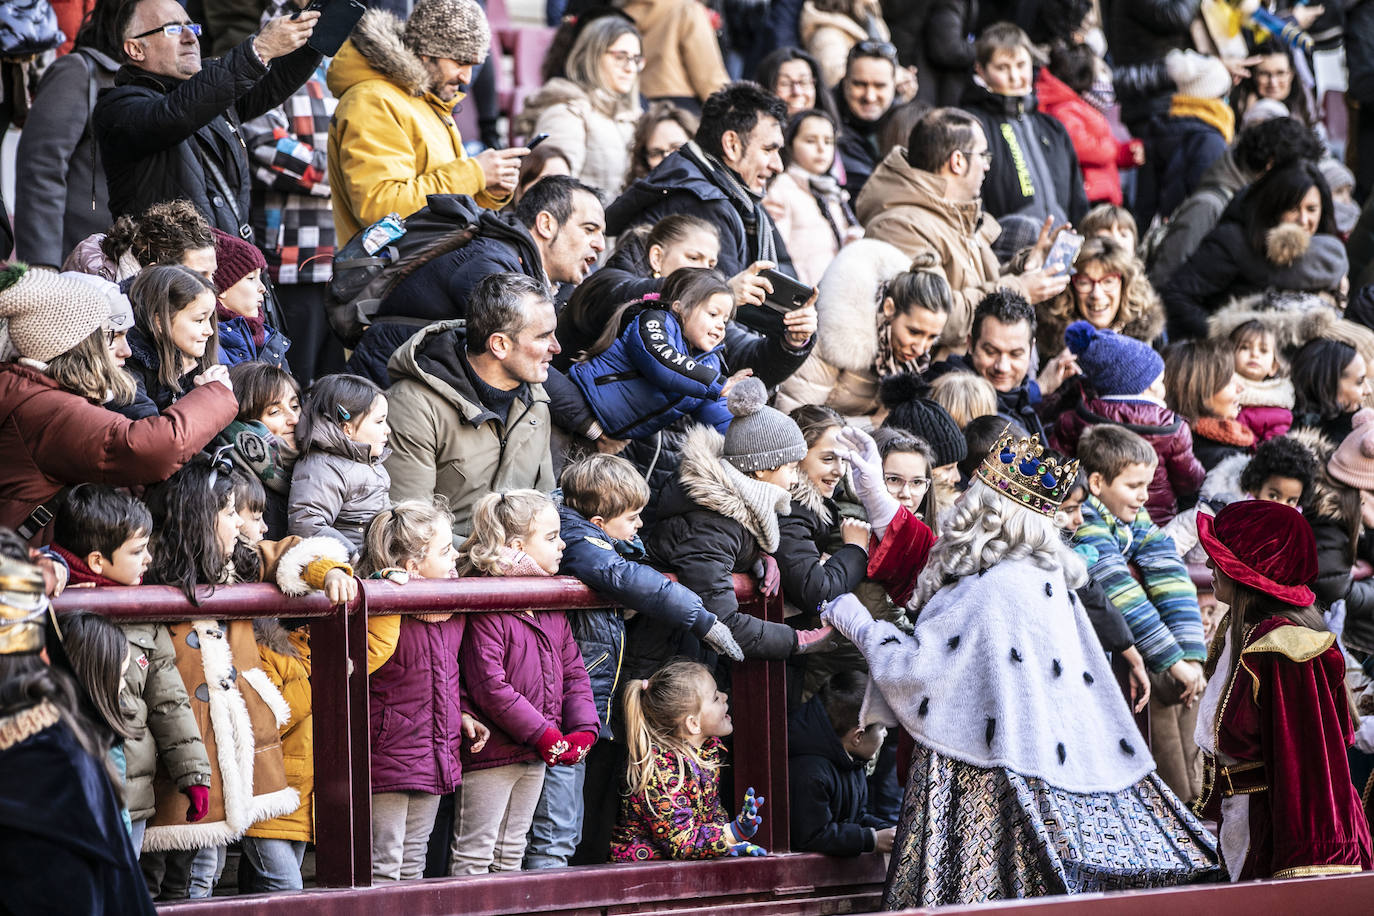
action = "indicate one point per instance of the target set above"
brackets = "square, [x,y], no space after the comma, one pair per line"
[393,140]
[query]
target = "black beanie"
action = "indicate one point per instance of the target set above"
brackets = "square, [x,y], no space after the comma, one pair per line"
[931,422]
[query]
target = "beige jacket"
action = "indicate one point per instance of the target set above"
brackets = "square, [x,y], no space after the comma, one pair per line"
[839,373]
[829,36]
[680,47]
[911,209]
[587,128]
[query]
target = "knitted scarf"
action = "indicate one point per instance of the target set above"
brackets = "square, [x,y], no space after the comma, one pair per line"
[1213,112]
[885,363]
[257,326]
[757,223]
[827,192]
[1227,432]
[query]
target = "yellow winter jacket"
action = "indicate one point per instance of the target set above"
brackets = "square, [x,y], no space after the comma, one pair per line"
[286,660]
[392,141]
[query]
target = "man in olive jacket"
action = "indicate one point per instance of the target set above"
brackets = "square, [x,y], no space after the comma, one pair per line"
[468,411]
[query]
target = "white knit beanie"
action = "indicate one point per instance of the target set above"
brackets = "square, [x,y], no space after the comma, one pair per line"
[1198,75]
[45,313]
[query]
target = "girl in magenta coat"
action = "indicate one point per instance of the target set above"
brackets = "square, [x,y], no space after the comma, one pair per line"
[523,677]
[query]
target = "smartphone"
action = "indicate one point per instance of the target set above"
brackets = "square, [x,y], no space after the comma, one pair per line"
[336,22]
[535,141]
[788,293]
[1059,261]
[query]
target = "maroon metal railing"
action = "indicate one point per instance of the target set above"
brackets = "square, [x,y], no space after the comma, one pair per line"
[338,641]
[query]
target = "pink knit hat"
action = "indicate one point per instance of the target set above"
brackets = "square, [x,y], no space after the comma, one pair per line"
[1353,461]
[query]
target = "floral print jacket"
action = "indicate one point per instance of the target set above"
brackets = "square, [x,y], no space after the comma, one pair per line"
[677,818]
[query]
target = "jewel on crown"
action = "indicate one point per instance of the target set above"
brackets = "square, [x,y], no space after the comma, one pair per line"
[1027,473]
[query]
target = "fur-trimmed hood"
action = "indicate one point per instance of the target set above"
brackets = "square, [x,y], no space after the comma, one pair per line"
[377,50]
[1285,244]
[1294,319]
[848,302]
[716,485]
[1324,503]
[805,495]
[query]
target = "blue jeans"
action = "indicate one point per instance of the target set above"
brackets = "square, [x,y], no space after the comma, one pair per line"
[557,825]
[276,863]
[206,867]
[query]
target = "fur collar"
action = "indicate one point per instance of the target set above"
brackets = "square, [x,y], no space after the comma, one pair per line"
[1285,244]
[717,486]
[809,498]
[1324,502]
[1294,321]
[1272,392]
[378,37]
[270,634]
[847,306]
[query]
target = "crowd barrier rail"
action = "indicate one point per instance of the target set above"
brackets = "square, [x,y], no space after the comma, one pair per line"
[782,883]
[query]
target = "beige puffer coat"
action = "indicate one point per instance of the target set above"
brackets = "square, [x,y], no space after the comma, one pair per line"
[592,129]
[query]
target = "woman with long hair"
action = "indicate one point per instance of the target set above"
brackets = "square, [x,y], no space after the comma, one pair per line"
[1018,724]
[1109,289]
[591,114]
[1274,721]
[1281,237]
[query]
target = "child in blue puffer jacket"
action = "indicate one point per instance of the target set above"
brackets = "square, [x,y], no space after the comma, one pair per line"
[654,365]
[603,496]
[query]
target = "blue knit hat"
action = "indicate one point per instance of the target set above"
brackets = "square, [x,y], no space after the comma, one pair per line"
[1113,363]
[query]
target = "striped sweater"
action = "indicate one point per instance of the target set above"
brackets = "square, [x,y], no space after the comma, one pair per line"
[1160,606]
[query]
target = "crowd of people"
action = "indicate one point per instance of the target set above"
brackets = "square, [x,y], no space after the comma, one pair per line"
[981,333]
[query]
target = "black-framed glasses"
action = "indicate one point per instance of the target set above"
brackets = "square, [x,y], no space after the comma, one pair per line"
[221,462]
[983,154]
[171,29]
[626,59]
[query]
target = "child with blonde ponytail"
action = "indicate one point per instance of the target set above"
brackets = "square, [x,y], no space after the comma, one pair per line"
[674,721]
[414,690]
[523,676]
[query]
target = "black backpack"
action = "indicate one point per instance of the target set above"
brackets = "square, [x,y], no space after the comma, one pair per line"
[363,279]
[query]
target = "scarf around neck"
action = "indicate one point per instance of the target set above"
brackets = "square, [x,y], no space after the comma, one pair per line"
[756,222]
[257,326]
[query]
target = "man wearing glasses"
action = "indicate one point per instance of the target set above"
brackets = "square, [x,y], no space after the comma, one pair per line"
[169,128]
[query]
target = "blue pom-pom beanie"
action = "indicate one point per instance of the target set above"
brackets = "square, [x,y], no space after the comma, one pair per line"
[1113,364]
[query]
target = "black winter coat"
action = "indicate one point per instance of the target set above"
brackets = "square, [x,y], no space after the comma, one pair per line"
[856,144]
[1140,32]
[806,581]
[681,185]
[1334,582]
[439,291]
[934,35]
[705,548]
[1039,154]
[829,788]
[157,134]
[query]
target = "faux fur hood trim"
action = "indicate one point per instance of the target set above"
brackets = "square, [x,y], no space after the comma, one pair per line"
[291,567]
[1325,501]
[1297,321]
[1273,392]
[271,635]
[1221,486]
[716,485]
[808,497]
[847,306]
[379,39]
[1285,244]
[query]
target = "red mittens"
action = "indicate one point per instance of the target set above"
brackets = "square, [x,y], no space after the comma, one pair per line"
[579,743]
[200,802]
[552,745]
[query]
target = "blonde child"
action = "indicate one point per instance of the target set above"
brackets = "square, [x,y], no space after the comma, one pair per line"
[654,365]
[1266,392]
[674,723]
[522,676]
[340,484]
[414,690]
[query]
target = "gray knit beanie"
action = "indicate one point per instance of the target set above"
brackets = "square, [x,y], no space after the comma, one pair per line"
[46,313]
[454,29]
[760,438]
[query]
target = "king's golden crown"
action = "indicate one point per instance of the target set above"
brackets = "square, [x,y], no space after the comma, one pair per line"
[1027,473]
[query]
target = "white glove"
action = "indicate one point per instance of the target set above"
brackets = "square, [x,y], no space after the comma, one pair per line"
[722,642]
[866,469]
[848,615]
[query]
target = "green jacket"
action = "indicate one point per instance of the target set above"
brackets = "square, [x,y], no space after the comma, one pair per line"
[155,701]
[444,440]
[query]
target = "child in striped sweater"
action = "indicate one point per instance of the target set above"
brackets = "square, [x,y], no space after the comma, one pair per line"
[1139,568]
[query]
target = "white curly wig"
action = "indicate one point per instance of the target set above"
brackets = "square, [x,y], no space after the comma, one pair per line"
[984,528]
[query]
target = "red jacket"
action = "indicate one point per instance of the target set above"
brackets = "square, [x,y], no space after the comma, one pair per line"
[52,438]
[1285,715]
[1178,472]
[1100,154]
